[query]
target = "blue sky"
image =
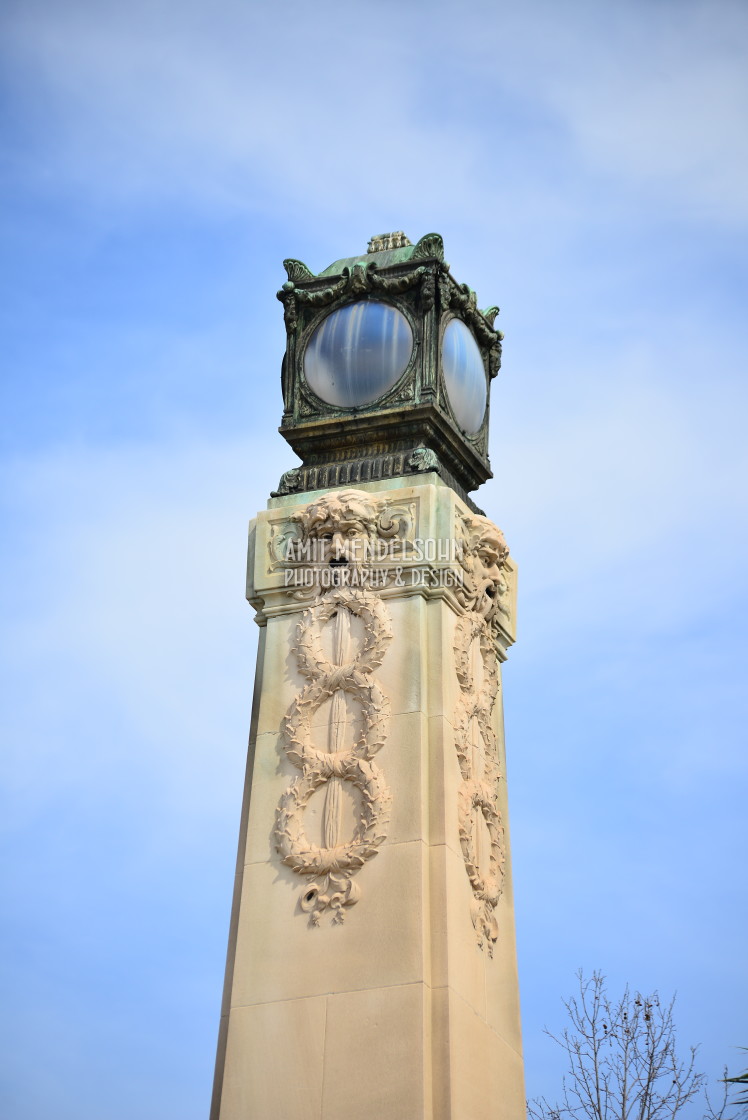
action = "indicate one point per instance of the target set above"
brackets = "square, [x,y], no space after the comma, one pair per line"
[587,165]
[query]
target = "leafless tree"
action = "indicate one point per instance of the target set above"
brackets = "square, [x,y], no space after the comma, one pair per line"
[623,1063]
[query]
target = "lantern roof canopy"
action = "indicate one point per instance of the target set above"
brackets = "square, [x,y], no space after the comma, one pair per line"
[387,249]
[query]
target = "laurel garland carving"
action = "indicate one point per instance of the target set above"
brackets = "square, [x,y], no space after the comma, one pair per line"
[484,595]
[481,774]
[362,279]
[330,867]
[395,284]
[322,296]
[291,296]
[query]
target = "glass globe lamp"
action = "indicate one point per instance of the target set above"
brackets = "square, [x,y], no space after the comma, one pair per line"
[464,376]
[358,353]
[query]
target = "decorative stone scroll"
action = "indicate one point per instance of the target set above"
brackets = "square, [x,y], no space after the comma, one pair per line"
[480,824]
[330,867]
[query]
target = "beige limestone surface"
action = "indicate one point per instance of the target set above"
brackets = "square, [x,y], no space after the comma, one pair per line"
[398,997]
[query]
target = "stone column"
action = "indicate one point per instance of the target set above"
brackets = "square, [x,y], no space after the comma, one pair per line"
[371,967]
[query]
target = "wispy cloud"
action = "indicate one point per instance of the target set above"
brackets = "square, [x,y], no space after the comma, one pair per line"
[655,95]
[340,112]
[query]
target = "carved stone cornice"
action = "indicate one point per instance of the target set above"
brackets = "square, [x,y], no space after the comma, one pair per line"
[352,472]
[454,571]
[333,445]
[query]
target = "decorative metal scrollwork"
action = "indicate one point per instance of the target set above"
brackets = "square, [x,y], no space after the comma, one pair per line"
[297,270]
[423,459]
[429,246]
[359,280]
[394,284]
[462,299]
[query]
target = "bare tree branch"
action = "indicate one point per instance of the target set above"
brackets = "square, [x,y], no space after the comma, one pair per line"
[623,1061]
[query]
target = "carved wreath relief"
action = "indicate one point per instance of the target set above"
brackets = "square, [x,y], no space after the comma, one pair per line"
[340,521]
[337,669]
[479,819]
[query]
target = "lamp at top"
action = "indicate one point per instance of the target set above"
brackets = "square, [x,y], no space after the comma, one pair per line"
[387,370]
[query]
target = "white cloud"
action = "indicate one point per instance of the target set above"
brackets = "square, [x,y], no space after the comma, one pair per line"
[654,94]
[334,110]
[228,103]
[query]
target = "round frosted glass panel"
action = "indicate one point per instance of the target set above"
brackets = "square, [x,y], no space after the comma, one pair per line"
[464,376]
[358,353]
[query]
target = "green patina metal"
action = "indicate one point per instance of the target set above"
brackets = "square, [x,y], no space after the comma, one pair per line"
[411,428]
